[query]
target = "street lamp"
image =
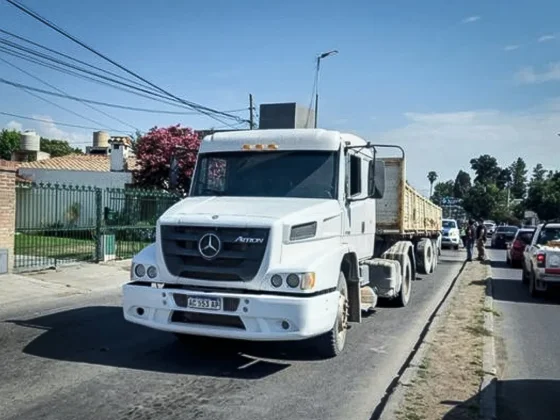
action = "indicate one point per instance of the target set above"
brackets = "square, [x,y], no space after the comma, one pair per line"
[319,58]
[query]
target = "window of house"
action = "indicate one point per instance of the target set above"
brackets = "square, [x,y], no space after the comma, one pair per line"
[355,175]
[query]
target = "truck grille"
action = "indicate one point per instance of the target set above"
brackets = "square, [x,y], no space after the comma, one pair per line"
[235,261]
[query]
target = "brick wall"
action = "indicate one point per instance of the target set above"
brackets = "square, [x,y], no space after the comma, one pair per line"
[8,208]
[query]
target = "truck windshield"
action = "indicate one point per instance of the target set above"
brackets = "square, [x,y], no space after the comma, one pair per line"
[302,174]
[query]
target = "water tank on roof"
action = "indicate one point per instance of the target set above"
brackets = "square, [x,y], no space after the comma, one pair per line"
[30,141]
[101,139]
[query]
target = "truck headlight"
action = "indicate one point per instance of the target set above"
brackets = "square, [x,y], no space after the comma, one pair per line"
[152,272]
[139,270]
[276,280]
[293,280]
[304,231]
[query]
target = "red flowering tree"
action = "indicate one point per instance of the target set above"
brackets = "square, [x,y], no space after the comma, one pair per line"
[155,150]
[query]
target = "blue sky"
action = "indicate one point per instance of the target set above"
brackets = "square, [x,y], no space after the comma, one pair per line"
[448,80]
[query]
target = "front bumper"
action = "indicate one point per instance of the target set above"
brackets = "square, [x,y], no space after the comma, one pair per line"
[450,240]
[255,317]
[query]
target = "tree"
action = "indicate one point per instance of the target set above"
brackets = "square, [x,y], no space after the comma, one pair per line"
[543,196]
[538,173]
[442,190]
[462,184]
[504,179]
[432,177]
[154,151]
[518,178]
[486,169]
[9,141]
[58,148]
[481,201]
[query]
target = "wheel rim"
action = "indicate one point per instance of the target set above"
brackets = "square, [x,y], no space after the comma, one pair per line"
[342,320]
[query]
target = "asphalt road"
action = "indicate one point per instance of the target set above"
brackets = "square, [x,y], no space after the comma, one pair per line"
[83,361]
[528,347]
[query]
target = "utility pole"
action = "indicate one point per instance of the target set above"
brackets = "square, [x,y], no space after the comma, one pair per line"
[251,113]
[319,58]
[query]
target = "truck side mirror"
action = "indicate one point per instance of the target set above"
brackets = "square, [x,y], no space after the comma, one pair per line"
[376,179]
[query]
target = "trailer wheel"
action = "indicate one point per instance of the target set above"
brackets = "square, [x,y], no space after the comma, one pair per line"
[404,295]
[435,260]
[332,343]
[425,254]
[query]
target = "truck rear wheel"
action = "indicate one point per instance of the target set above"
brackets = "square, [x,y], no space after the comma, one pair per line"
[404,295]
[332,343]
[425,256]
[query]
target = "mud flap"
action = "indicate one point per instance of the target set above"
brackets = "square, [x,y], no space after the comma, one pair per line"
[354,298]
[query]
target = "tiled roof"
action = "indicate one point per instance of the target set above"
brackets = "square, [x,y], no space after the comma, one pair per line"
[92,163]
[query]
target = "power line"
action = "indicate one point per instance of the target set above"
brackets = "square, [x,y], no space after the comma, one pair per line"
[68,56]
[202,109]
[56,122]
[38,58]
[65,93]
[32,55]
[74,98]
[72,73]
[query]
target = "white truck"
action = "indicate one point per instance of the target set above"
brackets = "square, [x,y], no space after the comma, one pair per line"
[286,234]
[541,259]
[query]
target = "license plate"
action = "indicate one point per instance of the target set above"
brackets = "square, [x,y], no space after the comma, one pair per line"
[200,302]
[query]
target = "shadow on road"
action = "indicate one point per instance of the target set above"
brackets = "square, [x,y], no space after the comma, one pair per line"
[100,335]
[513,290]
[517,400]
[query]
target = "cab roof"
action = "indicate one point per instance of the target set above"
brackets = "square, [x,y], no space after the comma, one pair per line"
[285,139]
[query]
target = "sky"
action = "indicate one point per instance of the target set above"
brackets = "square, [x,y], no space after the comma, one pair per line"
[448,80]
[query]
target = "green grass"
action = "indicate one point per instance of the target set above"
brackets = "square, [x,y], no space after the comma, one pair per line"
[69,248]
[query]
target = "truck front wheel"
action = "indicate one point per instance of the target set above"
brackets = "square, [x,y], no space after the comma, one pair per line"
[332,343]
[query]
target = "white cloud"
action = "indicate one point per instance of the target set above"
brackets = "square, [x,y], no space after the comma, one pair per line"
[446,142]
[528,75]
[470,19]
[50,130]
[511,47]
[546,38]
[14,125]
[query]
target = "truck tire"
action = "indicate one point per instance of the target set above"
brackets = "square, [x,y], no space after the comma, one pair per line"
[435,260]
[404,294]
[425,256]
[332,343]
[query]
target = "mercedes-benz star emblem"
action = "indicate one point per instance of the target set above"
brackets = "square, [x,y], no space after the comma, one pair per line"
[209,246]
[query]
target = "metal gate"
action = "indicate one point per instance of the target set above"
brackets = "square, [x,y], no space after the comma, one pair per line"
[60,224]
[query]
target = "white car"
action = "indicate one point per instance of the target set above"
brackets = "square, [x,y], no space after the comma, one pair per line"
[450,234]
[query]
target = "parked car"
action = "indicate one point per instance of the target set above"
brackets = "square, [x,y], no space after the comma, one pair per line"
[541,259]
[503,235]
[514,254]
[490,227]
[450,236]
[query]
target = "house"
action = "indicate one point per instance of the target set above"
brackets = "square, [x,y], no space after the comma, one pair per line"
[111,170]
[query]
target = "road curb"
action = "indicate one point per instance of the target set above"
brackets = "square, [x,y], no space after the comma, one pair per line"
[406,378]
[488,386]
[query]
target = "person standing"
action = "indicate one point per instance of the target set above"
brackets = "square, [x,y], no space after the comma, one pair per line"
[481,240]
[469,239]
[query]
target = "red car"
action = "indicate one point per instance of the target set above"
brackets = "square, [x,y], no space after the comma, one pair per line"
[514,253]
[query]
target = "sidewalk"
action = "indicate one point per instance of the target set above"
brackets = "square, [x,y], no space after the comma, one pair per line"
[66,281]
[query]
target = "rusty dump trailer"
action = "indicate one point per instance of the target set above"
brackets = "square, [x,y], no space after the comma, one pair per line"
[403,211]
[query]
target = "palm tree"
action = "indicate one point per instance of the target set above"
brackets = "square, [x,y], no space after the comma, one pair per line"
[432,177]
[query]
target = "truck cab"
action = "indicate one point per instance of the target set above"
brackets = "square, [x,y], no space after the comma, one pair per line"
[270,244]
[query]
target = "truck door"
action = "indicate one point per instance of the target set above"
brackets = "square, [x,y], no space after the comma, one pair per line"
[360,215]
